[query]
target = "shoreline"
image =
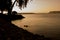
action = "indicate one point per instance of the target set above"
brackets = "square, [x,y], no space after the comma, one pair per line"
[9,31]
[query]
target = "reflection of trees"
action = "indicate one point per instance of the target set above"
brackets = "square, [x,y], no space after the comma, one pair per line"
[7,5]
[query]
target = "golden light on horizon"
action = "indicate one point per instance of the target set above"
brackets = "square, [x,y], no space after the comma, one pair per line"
[38,6]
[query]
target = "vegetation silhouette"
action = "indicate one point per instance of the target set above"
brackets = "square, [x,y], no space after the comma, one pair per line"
[8,6]
[9,31]
[14,13]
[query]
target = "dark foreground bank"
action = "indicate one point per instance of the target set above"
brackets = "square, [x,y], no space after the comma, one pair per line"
[11,17]
[9,31]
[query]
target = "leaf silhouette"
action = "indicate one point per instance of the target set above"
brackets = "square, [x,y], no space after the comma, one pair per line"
[7,5]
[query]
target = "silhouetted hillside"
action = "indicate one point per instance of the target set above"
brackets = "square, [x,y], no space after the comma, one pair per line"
[25,13]
[54,12]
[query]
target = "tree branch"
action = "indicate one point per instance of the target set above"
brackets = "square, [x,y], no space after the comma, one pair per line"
[13,4]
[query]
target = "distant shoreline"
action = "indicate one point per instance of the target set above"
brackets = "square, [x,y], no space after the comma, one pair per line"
[40,13]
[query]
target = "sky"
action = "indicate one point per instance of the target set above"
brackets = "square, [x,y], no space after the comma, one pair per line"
[40,6]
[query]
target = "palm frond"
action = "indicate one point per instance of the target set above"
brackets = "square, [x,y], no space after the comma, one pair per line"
[22,3]
[26,1]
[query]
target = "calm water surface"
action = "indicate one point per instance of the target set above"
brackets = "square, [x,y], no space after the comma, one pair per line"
[42,24]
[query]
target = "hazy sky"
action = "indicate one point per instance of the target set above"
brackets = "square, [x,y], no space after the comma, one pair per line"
[38,6]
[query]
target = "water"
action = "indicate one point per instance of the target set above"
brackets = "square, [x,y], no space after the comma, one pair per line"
[42,24]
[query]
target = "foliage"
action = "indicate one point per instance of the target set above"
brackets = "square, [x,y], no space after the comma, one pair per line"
[7,4]
[22,3]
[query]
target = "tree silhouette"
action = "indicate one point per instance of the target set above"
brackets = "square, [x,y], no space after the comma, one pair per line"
[7,5]
[3,5]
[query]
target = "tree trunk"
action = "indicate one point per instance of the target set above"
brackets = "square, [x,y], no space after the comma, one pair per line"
[2,11]
[9,12]
[9,15]
[9,7]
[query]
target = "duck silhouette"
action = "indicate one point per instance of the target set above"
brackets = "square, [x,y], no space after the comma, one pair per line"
[25,25]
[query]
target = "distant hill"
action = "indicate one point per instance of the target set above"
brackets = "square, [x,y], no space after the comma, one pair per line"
[54,12]
[26,13]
